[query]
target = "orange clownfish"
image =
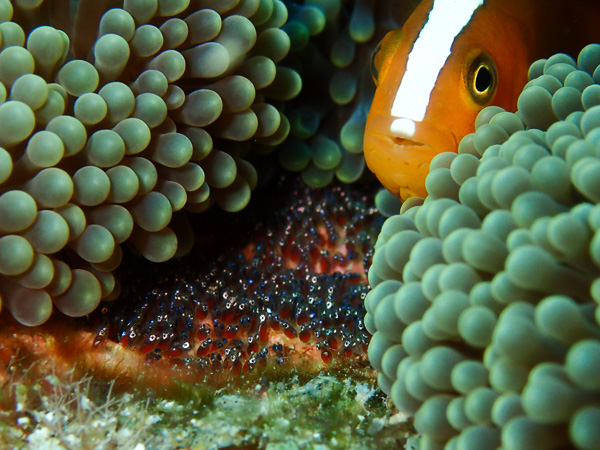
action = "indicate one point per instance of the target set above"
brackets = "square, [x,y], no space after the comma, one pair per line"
[451,59]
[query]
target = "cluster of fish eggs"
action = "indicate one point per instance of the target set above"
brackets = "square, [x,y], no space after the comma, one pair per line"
[291,292]
[109,131]
[485,309]
[331,42]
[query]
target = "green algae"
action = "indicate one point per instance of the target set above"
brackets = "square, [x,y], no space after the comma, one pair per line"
[324,413]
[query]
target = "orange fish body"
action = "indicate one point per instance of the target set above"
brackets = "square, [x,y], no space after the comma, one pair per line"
[451,59]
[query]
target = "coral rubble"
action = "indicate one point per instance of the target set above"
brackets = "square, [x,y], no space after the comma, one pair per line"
[326,411]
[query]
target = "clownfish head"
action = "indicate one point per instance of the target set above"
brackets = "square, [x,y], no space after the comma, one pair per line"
[433,77]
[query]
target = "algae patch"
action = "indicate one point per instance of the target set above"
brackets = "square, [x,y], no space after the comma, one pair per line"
[325,413]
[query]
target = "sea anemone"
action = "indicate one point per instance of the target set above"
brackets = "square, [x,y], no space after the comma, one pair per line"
[484,310]
[116,122]
[331,43]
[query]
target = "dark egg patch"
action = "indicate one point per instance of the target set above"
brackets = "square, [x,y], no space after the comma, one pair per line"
[280,285]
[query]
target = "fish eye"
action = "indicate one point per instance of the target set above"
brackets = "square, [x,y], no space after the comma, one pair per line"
[482,77]
[373,64]
[381,57]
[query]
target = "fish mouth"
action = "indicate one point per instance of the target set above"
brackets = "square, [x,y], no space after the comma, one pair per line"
[400,159]
[409,133]
[403,142]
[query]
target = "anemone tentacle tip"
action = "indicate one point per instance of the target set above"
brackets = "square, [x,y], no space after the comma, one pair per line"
[110,126]
[484,301]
